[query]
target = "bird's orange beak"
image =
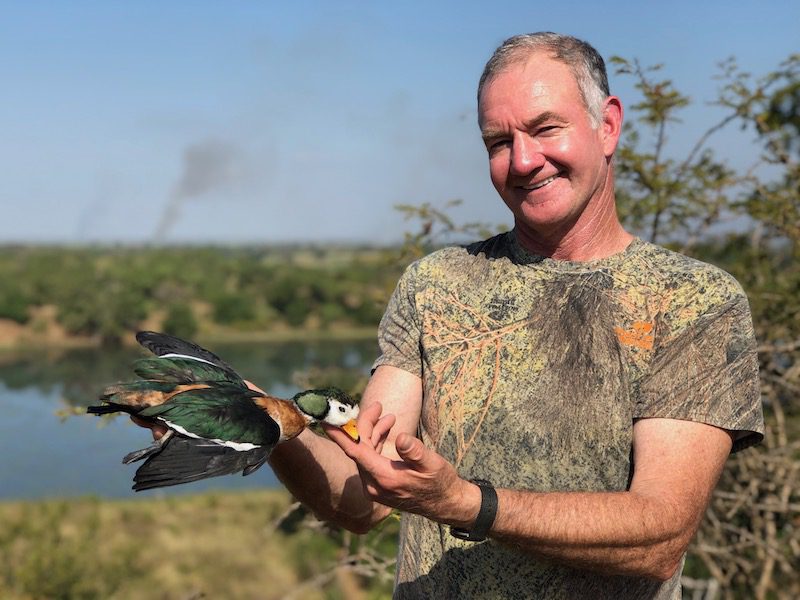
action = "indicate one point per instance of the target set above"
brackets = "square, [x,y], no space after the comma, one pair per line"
[350,429]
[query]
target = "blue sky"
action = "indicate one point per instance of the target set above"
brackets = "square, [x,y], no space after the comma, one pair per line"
[302,121]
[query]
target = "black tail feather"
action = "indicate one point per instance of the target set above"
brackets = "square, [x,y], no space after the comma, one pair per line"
[106,409]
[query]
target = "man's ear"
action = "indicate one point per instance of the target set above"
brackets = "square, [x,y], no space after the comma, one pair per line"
[611,124]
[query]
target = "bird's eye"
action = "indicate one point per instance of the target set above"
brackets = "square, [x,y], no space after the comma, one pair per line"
[342,409]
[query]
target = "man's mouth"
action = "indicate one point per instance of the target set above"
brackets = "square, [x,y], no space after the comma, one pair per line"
[540,184]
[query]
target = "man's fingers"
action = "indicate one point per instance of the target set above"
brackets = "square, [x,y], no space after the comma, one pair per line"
[365,424]
[367,419]
[342,439]
[156,429]
[362,453]
[381,430]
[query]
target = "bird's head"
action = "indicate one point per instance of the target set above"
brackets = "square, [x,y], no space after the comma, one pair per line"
[331,406]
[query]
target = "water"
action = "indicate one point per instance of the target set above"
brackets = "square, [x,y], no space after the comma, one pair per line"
[43,455]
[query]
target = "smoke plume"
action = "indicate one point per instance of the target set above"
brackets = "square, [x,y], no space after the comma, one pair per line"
[208,166]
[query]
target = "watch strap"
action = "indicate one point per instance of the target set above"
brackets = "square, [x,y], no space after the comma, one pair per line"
[486,515]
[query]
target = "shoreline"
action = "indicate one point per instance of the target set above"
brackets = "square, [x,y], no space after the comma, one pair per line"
[25,344]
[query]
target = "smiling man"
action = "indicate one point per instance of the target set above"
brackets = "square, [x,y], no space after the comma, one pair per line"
[550,158]
[553,406]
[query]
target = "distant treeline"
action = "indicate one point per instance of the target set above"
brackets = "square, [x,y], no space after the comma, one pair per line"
[106,293]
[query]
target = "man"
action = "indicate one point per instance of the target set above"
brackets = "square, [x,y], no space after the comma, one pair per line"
[596,381]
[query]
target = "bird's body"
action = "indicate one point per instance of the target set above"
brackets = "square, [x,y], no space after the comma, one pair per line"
[216,424]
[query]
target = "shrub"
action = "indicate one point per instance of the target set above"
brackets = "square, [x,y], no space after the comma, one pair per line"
[180,321]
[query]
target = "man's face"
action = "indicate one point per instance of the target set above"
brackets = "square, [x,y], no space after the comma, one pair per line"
[545,159]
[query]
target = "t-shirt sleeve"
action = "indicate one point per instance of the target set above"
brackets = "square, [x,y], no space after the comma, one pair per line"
[399,333]
[707,371]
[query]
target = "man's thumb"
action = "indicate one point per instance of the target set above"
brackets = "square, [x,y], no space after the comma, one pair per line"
[409,448]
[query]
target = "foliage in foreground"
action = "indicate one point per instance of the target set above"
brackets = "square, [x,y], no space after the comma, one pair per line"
[214,545]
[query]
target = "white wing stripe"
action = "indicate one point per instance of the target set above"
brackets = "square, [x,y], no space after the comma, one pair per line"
[174,355]
[238,446]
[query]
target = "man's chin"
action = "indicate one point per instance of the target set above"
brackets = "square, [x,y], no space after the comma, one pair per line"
[542,213]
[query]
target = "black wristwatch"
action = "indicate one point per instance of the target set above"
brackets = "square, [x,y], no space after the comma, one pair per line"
[486,515]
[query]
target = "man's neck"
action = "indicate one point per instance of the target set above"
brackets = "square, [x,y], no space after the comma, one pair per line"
[596,234]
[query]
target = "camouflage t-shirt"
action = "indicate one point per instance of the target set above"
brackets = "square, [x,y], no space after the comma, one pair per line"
[533,373]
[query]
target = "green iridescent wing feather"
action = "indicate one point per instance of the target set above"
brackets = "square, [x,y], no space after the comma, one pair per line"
[223,412]
[183,370]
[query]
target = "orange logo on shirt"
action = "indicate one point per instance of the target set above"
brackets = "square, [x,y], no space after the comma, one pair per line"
[640,335]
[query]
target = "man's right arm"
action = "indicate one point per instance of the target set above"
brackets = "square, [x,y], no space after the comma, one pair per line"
[322,477]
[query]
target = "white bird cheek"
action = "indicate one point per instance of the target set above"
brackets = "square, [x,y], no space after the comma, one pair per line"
[338,418]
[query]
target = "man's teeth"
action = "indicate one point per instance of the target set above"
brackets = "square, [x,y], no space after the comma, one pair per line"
[541,183]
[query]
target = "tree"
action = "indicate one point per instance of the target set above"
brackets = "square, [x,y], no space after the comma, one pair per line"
[180,321]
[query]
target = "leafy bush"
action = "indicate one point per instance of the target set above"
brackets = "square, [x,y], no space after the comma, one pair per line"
[14,305]
[107,292]
[180,321]
[230,309]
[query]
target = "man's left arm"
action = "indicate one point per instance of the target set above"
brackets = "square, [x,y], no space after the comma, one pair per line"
[643,531]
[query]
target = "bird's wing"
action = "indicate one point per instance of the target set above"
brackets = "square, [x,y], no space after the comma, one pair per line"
[186,459]
[183,371]
[178,364]
[162,344]
[222,412]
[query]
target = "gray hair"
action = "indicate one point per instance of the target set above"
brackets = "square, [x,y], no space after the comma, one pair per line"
[583,60]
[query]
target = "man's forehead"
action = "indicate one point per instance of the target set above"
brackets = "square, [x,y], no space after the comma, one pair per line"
[537,75]
[536,71]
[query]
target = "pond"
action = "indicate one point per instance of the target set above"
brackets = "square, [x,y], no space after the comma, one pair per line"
[45,454]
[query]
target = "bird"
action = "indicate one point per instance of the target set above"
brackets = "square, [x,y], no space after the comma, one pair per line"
[216,424]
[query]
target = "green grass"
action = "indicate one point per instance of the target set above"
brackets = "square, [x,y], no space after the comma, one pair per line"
[213,545]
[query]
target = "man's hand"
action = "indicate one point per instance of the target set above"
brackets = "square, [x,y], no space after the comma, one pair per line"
[157,429]
[420,482]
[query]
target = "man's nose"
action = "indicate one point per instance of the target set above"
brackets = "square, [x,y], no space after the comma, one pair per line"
[526,155]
